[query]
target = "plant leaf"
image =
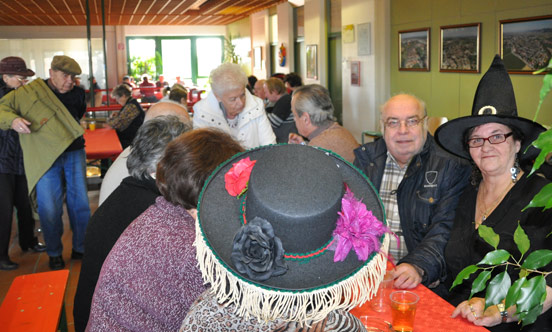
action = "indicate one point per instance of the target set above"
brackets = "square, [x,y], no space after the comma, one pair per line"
[487,234]
[532,293]
[514,292]
[544,143]
[497,289]
[480,282]
[464,274]
[495,257]
[542,199]
[521,240]
[531,316]
[537,259]
[523,273]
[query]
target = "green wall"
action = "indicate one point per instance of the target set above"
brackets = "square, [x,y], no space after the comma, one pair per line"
[451,94]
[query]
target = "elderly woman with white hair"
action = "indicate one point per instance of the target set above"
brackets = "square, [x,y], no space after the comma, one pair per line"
[231,108]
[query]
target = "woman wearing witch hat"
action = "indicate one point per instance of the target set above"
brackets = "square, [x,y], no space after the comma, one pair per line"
[495,139]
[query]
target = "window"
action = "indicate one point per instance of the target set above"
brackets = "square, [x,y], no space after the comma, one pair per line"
[189,58]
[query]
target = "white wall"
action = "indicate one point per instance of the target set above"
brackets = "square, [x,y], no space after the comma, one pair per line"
[316,34]
[361,103]
[260,37]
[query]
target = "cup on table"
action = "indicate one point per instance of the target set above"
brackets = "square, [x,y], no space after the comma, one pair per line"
[375,324]
[92,125]
[403,310]
[380,302]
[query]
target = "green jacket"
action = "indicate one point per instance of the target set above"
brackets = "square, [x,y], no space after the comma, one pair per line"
[53,128]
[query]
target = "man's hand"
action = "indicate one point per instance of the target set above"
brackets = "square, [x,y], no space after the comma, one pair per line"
[20,125]
[295,139]
[406,276]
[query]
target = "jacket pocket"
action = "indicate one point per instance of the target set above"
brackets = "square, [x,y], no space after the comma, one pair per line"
[38,115]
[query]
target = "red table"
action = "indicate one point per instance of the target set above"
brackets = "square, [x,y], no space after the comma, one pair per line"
[432,314]
[102,143]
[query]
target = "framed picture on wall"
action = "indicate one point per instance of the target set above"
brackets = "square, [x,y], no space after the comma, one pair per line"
[355,73]
[414,49]
[460,48]
[312,61]
[525,43]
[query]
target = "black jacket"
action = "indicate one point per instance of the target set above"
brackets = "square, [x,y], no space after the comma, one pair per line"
[11,155]
[427,198]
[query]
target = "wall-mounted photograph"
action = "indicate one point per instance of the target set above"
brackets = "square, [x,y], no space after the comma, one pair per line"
[312,62]
[355,73]
[414,49]
[526,43]
[460,48]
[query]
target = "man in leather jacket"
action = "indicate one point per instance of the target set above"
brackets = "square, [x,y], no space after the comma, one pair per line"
[419,184]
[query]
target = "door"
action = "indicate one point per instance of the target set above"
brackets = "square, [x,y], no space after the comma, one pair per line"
[334,77]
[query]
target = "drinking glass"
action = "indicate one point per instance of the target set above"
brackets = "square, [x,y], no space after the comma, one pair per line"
[375,324]
[92,125]
[380,302]
[403,310]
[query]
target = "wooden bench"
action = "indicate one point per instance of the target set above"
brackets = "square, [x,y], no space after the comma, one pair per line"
[35,303]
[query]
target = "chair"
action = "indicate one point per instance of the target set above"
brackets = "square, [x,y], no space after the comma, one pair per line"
[433,122]
[374,135]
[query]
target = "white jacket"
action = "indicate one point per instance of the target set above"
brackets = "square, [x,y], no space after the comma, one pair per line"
[254,129]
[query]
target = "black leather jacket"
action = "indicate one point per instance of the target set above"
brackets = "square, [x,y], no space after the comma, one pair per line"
[427,198]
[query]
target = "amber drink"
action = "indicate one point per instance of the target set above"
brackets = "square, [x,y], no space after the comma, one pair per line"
[403,310]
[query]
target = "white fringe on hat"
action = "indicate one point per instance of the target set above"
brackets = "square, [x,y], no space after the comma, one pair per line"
[267,305]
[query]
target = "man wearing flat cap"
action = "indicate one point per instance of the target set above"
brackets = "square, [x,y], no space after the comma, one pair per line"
[46,115]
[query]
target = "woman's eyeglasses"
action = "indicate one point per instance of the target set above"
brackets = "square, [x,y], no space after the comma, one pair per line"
[493,139]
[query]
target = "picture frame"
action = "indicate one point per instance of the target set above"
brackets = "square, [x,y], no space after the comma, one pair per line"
[355,73]
[258,57]
[364,39]
[312,61]
[522,43]
[348,33]
[414,49]
[460,48]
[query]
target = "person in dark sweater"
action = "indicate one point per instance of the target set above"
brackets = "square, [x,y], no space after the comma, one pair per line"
[129,118]
[280,115]
[14,74]
[115,214]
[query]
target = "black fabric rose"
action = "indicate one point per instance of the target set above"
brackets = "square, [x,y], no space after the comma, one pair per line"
[257,252]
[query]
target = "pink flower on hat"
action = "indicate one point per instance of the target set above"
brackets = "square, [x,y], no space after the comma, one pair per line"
[237,178]
[357,228]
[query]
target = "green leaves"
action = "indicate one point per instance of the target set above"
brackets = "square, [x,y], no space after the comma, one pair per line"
[495,257]
[546,86]
[489,235]
[526,294]
[464,274]
[542,199]
[480,282]
[498,288]
[521,240]
[537,259]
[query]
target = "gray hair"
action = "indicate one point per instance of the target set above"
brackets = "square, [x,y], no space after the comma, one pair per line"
[314,99]
[150,142]
[226,77]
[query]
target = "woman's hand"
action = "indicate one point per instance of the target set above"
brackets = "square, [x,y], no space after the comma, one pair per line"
[295,139]
[474,311]
[21,126]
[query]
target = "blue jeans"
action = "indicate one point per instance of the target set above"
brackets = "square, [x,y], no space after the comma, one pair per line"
[68,170]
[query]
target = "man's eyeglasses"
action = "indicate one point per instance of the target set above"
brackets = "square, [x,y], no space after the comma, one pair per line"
[493,139]
[410,122]
[22,80]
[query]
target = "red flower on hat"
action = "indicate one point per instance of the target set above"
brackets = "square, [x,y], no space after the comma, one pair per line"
[357,228]
[237,178]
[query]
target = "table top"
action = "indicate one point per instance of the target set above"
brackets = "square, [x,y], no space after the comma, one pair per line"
[432,314]
[102,143]
[34,302]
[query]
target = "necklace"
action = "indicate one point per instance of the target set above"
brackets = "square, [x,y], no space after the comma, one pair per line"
[485,212]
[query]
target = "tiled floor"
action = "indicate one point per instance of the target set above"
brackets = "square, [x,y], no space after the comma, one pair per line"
[30,262]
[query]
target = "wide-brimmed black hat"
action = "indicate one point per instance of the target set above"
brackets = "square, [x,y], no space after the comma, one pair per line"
[494,101]
[272,247]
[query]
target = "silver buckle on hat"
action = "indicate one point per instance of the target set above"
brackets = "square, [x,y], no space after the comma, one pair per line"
[487,110]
